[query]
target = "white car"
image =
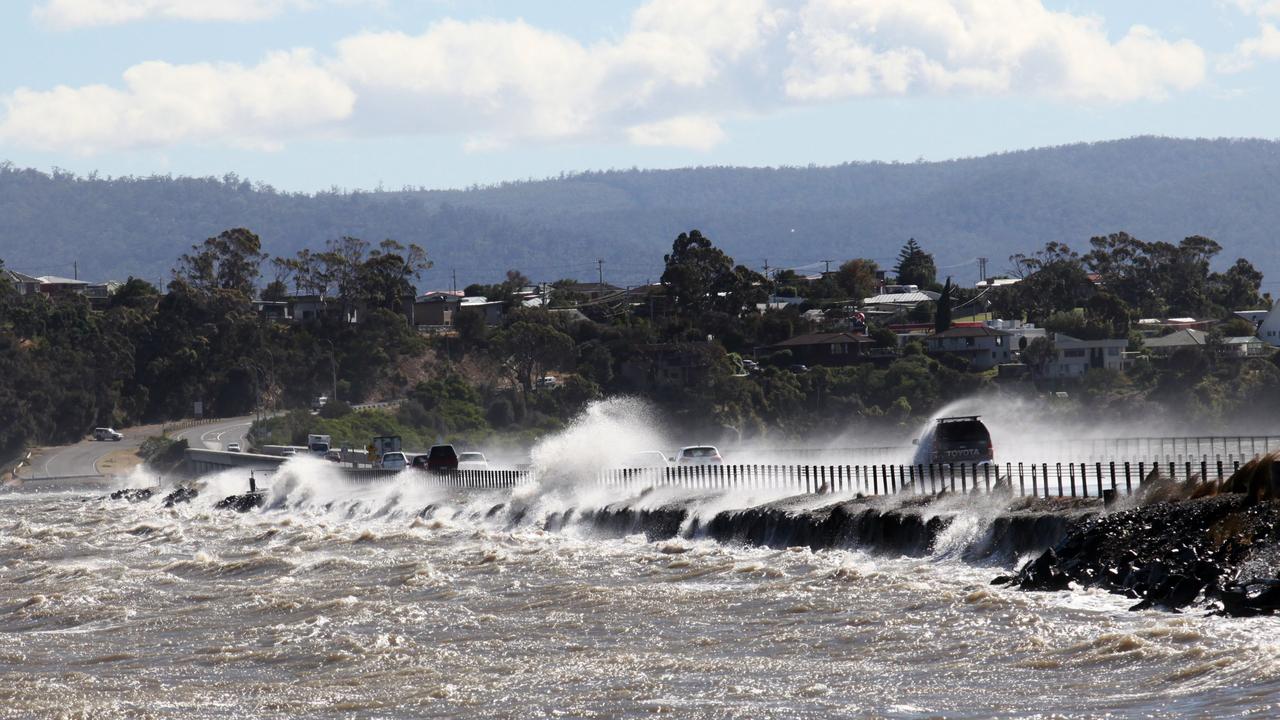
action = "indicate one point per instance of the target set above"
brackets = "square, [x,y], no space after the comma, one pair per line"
[695,455]
[393,461]
[288,452]
[233,447]
[105,433]
[472,461]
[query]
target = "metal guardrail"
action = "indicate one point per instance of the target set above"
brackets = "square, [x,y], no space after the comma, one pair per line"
[1041,479]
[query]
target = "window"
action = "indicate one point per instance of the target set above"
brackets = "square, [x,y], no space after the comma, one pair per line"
[1075,353]
[839,348]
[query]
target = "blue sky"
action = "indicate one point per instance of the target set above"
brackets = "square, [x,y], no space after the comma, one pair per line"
[309,94]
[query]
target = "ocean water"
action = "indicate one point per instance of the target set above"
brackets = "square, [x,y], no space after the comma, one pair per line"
[339,600]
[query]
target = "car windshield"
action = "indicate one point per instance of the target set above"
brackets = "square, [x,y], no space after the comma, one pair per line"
[471,456]
[965,431]
[700,452]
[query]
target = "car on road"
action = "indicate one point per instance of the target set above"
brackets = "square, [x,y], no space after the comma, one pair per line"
[333,456]
[438,459]
[233,447]
[472,461]
[393,461]
[963,439]
[288,452]
[106,433]
[695,455]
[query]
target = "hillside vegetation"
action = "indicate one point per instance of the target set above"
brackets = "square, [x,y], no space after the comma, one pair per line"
[1157,189]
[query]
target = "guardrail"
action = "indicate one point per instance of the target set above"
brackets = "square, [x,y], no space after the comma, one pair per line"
[1042,479]
[1045,479]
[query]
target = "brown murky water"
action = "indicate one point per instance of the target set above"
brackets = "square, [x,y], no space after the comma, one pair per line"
[341,602]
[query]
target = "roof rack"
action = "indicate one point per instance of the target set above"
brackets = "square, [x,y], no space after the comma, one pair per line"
[959,418]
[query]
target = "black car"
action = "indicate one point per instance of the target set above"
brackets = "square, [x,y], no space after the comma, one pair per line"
[439,458]
[955,440]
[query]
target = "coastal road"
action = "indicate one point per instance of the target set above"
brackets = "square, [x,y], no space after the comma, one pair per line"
[82,458]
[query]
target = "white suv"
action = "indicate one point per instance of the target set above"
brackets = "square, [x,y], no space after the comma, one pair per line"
[105,433]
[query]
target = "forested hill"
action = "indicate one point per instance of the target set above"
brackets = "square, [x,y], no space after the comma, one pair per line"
[1156,189]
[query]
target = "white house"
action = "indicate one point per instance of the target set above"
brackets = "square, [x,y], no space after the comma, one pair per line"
[1269,330]
[1074,357]
[984,347]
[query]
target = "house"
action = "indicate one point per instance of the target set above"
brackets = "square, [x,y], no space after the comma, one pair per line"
[830,349]
[1269,330]
[277,310]
[1023,332]
[491,309]
[24,284]
[55,286]
[1074,357]
[983,347]
[100,293]
[436,309]
[305,308]
[1245,347]
[897,299]
[1167,345]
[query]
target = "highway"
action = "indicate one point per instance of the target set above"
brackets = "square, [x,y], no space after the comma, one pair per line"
[82,458]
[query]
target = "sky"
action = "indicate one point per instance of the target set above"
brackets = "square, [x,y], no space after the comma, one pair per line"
[309,95]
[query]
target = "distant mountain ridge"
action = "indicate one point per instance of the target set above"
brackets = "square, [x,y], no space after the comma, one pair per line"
[992,206]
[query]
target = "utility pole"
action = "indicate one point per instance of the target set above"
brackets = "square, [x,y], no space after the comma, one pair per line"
[600,268]
[75,269]
[982,268]
[455,280]
[828,264]
[766,268]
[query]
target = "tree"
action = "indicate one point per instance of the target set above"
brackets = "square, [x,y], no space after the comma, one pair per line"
[699,277]
[229,261]
[1237,288]
[915,266]
[1053,280]
[531,348]
[857,278]
[942,317]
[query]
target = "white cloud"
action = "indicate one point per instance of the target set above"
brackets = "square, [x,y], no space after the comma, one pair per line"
[1264,46]
[689,131]
[163,104]
[1259,8]
[1247,53]
[86,13]
[852,48]
[671,78]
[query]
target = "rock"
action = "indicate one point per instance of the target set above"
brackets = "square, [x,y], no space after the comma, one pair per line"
[1165,555]
[242,503]
[133,495]
[180,495]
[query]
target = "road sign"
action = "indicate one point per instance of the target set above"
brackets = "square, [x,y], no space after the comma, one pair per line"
[199,409]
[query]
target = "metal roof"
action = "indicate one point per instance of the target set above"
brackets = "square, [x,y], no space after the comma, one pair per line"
[911,298]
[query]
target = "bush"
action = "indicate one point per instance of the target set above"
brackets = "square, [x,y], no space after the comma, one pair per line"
[162,451]
[334,409]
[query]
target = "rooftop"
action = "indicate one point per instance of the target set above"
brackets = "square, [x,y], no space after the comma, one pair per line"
[823,339]
[962,332]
